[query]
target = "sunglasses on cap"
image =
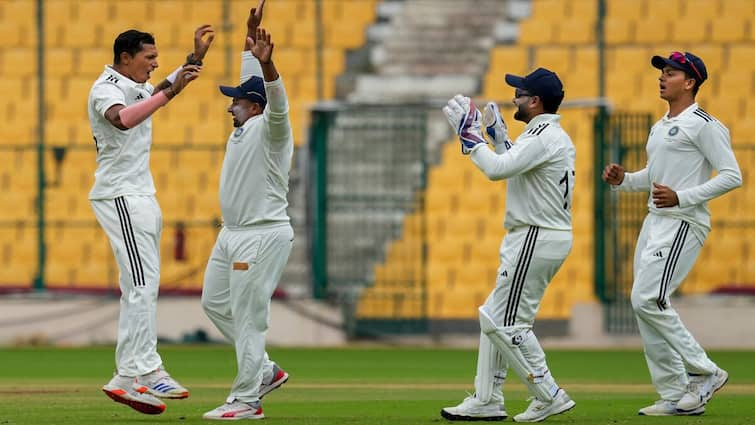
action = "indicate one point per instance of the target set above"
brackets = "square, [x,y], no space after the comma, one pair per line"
[681,58]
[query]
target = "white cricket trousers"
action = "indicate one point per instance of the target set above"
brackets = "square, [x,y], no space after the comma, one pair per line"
[665,253]
[242,273]
[133,223]
[530,257]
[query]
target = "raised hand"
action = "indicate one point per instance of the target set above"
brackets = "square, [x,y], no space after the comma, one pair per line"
[613,174]
[202,43]
[464,118]
[254,20]
[495,126]
[262,46]
[187,74]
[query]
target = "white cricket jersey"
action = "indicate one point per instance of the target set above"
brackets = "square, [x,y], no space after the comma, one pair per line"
[682,153]
[122,155]
[539,169]
[254,177]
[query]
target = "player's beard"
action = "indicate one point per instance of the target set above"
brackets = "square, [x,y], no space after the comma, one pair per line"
[521,114]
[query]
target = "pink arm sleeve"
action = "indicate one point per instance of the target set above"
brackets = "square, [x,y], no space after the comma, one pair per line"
[133,115]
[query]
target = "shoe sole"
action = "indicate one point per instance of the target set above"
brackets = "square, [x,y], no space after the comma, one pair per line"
[452,417]
[233,418]
[275,385]
[691,412]
[147,409]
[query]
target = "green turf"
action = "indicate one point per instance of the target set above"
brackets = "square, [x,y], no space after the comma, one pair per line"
[347,386]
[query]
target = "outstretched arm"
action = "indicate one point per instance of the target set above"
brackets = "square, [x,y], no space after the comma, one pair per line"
[276,111]
[249,65]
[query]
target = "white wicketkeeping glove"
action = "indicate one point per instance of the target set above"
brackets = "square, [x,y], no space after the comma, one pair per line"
[464,118]
[496,127]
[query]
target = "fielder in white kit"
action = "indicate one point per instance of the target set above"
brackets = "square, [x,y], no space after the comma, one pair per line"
[683,149]
[256,239]
[539,168]
[121,103]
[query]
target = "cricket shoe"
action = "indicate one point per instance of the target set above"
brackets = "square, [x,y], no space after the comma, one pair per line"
[667,408]
[160,384]
[472,409]
[700,390]
[279,378]
[125,390]
[539,410]
[236,410]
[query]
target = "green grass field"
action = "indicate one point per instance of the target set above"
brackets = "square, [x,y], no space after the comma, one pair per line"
[362,385]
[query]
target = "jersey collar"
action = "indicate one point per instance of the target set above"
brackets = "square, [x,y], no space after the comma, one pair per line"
[542,118]
[128,82]
[690,109]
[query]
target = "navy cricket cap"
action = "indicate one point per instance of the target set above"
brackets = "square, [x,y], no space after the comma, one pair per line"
[252,89]
[540,82]
[686,62]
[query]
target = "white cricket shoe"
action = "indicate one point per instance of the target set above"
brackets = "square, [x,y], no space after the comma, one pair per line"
[539,410]
[700,390]
[279,378]
[160,384]
[236,410]
[124,389]
[667,408]
[472,409]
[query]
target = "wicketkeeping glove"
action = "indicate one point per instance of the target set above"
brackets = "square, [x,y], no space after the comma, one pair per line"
[496,127]
[464,118]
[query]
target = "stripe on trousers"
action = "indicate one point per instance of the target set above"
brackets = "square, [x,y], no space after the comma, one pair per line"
[137,271]
[673,258]
[517,284]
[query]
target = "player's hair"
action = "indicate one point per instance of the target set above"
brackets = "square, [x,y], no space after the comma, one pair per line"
[131,42]
[551,104]
[697,83]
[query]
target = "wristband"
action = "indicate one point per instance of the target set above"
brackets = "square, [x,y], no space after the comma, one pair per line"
[173,75]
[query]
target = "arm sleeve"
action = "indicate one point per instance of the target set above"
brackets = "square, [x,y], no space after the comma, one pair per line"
[250,66]
[105,95]
[276,111]
[639,181]
[523,156]
[715,144]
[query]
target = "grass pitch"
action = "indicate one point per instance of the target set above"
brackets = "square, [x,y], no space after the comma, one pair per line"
[348,386]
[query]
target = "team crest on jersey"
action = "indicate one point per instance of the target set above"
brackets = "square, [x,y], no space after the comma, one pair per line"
[238,132]
[673,131]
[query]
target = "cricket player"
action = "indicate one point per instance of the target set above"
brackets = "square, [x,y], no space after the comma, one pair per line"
[121,104]
[539,168]
[683,149]
[256,239]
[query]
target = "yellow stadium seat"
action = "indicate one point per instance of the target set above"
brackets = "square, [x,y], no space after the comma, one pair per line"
[511,59]
[362,12]
[689,32]
[618,30]
[737,8]
[347,34]
[534,32]
[333,61]
[303,35]
[18,62]
[15,33]
[577,30]
[653,29]
[735,81]
[20,10]
[476,275]
[548,10]
[623,9]
[728,29]
[558,59]
[698,10]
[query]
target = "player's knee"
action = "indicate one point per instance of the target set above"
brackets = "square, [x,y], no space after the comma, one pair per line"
[642,304]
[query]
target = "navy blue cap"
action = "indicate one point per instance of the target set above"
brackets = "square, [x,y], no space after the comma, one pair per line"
[252,89]
[687,62]
[540,82]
